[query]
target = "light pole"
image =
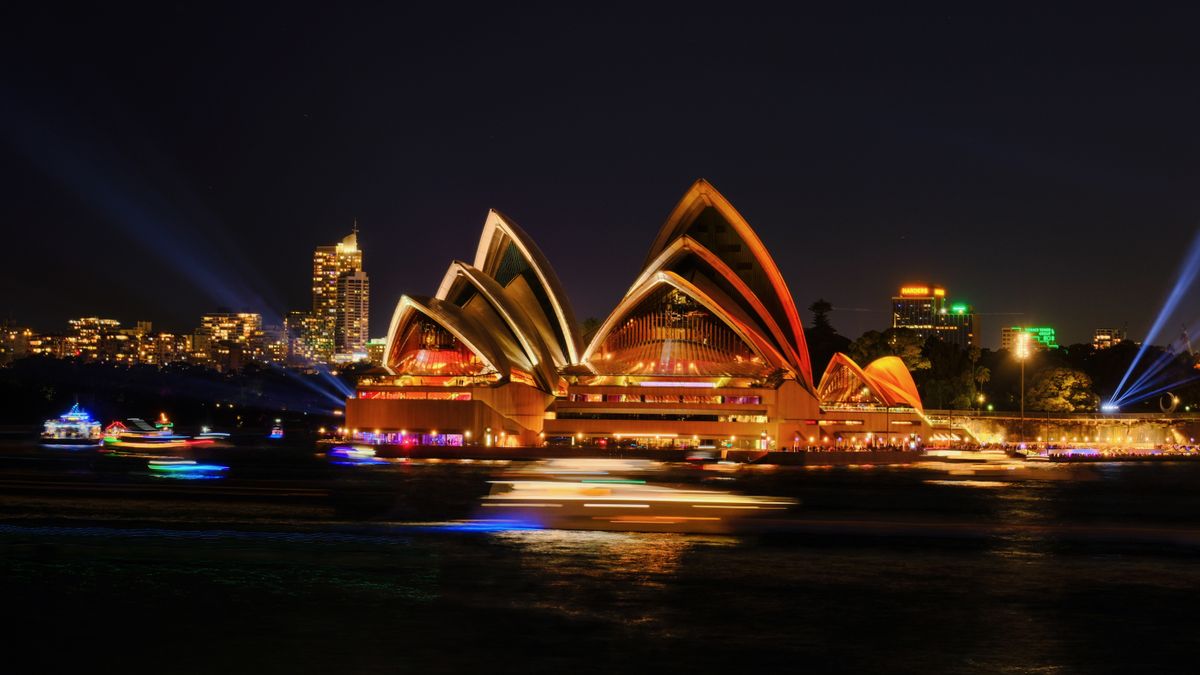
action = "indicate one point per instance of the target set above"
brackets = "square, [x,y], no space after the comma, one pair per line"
[1022,355]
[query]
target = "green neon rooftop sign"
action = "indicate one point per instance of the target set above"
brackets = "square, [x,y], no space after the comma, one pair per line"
[1042,334]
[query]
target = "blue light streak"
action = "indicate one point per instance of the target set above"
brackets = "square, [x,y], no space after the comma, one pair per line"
[492,525]
[126,181]
[1187,276]
[333,380]
[1145,395]
[308,382]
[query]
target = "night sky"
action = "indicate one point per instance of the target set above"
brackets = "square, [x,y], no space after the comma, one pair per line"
[166,160]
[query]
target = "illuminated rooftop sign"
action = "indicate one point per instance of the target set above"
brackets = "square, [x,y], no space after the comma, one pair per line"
[922,292]
[1043,334]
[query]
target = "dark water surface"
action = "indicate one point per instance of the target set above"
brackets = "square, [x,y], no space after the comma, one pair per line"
[290,564]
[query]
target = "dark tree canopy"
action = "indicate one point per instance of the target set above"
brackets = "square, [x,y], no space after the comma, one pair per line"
[823,339]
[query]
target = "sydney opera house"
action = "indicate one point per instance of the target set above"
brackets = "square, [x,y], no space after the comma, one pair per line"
[706,349]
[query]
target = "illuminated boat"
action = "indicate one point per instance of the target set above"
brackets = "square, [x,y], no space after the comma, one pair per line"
[354,455]
[184,469]
[276,431]
[74,427]
[623,504]
[140,434]
[215,436]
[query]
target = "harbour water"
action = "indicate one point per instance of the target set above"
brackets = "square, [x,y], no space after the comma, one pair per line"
[288,562]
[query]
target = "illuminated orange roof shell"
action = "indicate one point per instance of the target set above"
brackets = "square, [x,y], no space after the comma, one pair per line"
[887,378]
[683,247]
[710,298]
[498,232]
[506,311]
[702,195]
[450,317]
[890,374]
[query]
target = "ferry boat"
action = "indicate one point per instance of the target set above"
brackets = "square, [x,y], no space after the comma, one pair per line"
[276,431]
[74,427]
[623,504]
[138,433]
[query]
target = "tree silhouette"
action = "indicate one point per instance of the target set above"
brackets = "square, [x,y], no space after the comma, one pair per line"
[822,338]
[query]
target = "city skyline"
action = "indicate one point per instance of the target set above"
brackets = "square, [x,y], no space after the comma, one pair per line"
[352,262]
[992,336]
[915,164]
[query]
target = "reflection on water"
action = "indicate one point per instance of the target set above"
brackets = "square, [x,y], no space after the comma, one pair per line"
[969,483]
[615,495]
[632,552]
[294,565]
[609,576]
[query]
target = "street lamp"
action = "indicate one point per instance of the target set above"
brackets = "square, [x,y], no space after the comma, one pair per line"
[1022,354]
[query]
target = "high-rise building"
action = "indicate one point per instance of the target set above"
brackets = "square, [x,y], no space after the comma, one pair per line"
[297,328]
[330,263]
[1041,337]
[1107,337]
[353,303]
[924,309]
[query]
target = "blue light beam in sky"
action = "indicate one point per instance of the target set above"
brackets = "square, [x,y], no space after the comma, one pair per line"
[1187,276]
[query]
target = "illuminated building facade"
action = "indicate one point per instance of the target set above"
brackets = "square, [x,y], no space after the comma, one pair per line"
[139,330]
[330,264]
[375,350]
[275,343]
[1104,338]
[706,349]
[159,349]
[92,338]
[14,342]
[878,404]
[241,327]
[351,317]
[1041,337]
[925,309]
[228,339]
